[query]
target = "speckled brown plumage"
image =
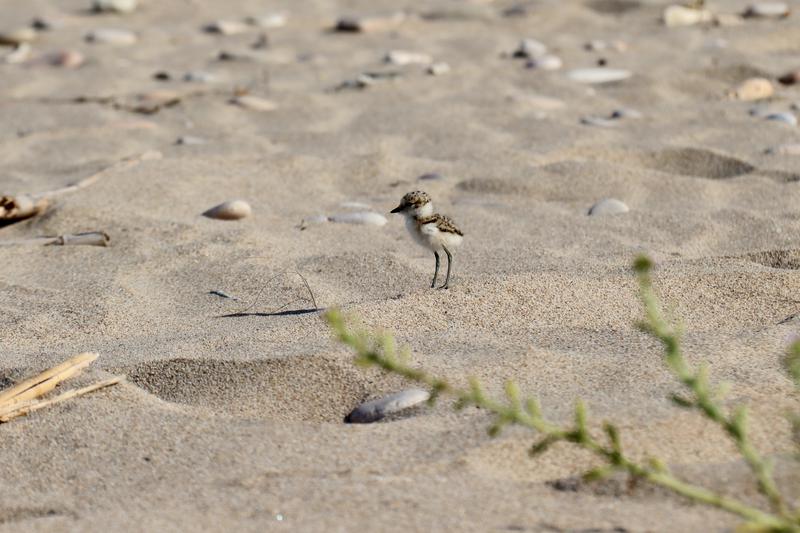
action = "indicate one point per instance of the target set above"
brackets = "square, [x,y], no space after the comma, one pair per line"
[443,223]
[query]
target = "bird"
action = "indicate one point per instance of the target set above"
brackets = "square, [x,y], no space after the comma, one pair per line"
[430,230]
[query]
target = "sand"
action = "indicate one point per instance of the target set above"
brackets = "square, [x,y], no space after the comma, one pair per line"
[237,422]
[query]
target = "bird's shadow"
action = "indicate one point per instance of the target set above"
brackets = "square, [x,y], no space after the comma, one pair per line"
[289,312]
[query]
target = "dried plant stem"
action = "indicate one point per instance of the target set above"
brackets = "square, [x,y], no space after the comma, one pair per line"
[380,351]
[29,407]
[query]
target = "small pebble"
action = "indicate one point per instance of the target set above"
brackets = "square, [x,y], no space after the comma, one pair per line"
[790,78]
[431,176]
[188,140]
[787,118]
[226,27]
[753,89]
[367,218]
[231,210]
[401,57]
[162,75]
[438,69]
[530,49]
[767,10]
[374,23]
[66,59]
[114,6]
[273,20]
[598,75]
[601,122]
[256,103]
[17,36]
[199,76]
[545,62]
[375,410]
[608,206]
[784,149]
[112,36]
[626,112]
[676,15]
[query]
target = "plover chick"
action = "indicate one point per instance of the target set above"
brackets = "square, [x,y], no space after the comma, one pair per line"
[431,230]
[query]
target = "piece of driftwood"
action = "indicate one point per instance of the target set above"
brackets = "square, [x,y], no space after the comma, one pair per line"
[25,397]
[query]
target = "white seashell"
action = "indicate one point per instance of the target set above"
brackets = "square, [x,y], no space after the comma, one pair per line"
[530,48]
[231,210]
[20,207]
[226,27]
[545,62]
[116,6]
[608,206]
[112,36]
[753,89]
[374,410]
[598,75]
[784,149]
[439,68]
[367,218]
[19,54]
[768,10]
[788,118]
[255,103]
[401,57]
[676,15]
[273,20]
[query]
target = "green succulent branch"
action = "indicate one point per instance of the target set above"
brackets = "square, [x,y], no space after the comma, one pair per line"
[380,351]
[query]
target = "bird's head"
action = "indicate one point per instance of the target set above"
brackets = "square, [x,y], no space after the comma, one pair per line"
[417,203]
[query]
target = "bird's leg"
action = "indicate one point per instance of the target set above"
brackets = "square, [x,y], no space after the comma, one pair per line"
[449,263]
[435,272]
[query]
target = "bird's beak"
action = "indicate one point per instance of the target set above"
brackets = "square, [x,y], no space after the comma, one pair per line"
[397,209]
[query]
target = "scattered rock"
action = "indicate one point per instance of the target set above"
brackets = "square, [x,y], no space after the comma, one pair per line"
[366,79]
[226,27]
[790,78]
[784,149]
[753,89]
[367,218]
[608,206]
[199,76]
[375,410]
[431,176]
[272,20]
[231,210]
[256,103]
[188,140]
[372,23]
[598,75]
[626,112]
[785,117]
[438,69]
[114,6]
[66,59]
[112,36]
[530,49]
[676,15]
[601,122]
[545,62]
[767,10]
[401,57]
[20,54]
[17,37]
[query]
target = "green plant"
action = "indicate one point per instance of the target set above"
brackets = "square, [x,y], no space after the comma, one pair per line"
[380,351]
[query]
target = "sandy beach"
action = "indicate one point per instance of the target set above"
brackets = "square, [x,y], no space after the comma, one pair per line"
[232,413]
